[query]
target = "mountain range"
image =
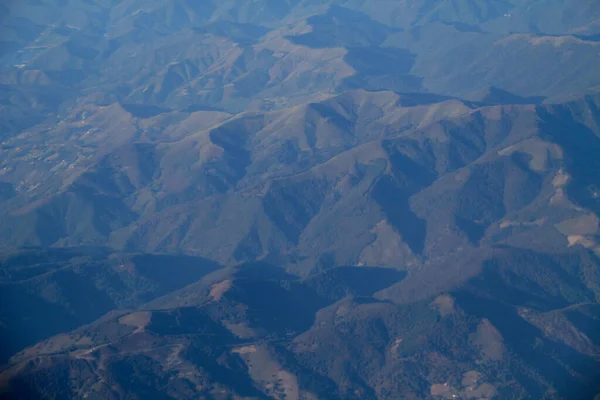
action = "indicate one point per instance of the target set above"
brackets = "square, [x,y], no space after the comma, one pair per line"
[300,199]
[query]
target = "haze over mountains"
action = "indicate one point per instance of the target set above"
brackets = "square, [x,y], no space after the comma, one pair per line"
[300,199]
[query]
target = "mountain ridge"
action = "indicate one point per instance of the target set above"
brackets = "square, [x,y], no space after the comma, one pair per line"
[299,199]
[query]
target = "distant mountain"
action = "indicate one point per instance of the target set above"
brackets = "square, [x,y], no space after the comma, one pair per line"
[417,176]
[299,199]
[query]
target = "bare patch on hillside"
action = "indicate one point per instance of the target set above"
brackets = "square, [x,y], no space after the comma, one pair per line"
[443,389]
[219,289]
[444,304]
[541,153]
[489,340]
[139,320]
[509,224]
[244,349]
[583,225]
[472,386]
[268,372]
[387,248]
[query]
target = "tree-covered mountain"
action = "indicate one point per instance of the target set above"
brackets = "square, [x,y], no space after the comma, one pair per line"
[299,199]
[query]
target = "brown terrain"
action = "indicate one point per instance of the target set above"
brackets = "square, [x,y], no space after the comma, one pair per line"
[294,199]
